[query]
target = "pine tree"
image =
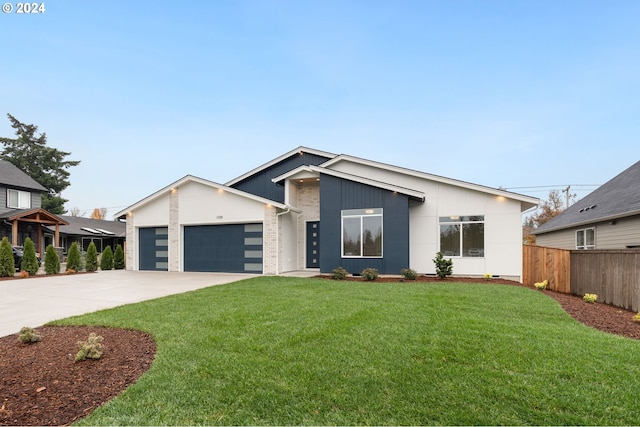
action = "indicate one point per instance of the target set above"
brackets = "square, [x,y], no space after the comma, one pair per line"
[91,263]
[29,260]
[106,262]
[73,258]
[51,261]
[118,258]
[7,263]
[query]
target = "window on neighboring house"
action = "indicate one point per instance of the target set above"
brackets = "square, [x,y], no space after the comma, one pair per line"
[462,236]
[18,199]
[586,238]
[362,233]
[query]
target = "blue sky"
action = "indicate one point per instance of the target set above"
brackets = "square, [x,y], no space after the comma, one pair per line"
[519,94]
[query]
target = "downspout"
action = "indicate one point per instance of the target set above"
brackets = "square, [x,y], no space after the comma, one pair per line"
[285,212]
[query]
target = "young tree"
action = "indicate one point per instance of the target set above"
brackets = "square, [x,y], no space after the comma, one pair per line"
[99,213]
[7,263]
[73,258]
[51,261]
[29,260]
[106,262]
[91,263]
[545,212]
[118,258]
[47,165]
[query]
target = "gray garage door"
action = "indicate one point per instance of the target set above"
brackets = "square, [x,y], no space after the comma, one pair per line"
[232,248]
[154,248]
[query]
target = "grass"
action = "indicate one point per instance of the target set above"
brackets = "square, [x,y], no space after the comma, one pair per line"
[288,351]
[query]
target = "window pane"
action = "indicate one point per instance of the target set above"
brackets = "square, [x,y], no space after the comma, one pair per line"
[473,240]
[450,240]
[589,238]
[351,236]
[13,199]
[372,230]
[580,238]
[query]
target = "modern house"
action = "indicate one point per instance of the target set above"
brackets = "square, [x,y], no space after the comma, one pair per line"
[607,218]
[22,216]
[309,209]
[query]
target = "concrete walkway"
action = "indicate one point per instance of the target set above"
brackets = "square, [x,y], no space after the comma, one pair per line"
[34,302]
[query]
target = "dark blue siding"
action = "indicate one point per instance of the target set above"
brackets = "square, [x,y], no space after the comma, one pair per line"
[260,183]
[336,195]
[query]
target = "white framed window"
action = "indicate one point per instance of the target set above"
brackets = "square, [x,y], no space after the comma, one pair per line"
[586,238]
[18,199]
[462,236]
[362,233]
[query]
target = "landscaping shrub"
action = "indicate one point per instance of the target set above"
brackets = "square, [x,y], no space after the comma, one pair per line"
[106,262]
[7,264]
[541,285]
[339,273]
[51,261]
[444,267]
[73,258]
[29,260]
[369,274]
[91,263]
[590,298]
[118,258]
[28,335]
[91,348]
[409,274]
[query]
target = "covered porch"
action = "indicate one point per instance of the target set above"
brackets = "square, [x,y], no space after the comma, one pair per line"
[29,223]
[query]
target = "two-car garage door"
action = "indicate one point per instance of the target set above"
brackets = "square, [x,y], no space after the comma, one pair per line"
[232,248]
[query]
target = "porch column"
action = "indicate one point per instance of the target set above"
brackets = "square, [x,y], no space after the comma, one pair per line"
[14,233]
[57,236]
[39,247]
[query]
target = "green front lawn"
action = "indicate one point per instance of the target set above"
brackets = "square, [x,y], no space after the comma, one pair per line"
[289,351]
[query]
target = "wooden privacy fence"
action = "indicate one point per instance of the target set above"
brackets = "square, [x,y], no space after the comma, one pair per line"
[614,275]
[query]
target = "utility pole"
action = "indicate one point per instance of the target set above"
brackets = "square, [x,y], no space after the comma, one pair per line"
[566,190]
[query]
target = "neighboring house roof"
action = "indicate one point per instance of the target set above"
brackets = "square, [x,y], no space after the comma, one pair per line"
[618,198]
[11,176]
[191,178]
[278,159]
[80,226]
[527,202]
[38,215]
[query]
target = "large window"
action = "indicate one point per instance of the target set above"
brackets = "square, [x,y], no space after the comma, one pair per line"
[362,233]
[18,199]
[462,236]
[586,239]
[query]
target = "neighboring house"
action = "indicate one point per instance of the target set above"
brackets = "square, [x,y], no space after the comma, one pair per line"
[607,218]
[310,209]
[22,216]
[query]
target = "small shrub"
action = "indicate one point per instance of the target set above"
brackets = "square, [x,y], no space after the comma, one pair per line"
[369,274]
[339,273]
[29,335]
[71,271]
[73,258]
[636,318]
[541,285]
[90,349]
[106,262]
[118,258]
[7,263]
[51,261]
[488,276]
[590,298]
[409,274]
[444,267]
[24,274]
[91,263]
[29,260]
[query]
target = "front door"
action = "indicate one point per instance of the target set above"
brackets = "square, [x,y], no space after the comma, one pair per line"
[313,244]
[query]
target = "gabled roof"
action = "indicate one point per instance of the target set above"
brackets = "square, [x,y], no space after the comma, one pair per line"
[527,202]
[191,178]
[279,159]
[300,171]
[11,176]
[38,215]
[617,198]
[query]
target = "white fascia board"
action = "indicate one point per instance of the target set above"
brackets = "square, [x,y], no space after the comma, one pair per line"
[313,171]
[527,201]
[191,178]
[298,150]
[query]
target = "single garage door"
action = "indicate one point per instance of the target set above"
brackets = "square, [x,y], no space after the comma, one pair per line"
[154,248]
[231,248]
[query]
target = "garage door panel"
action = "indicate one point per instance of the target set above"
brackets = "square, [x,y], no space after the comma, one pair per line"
[154,248]
[235,248]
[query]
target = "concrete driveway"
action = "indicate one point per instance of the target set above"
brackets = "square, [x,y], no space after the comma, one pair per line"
[34,302]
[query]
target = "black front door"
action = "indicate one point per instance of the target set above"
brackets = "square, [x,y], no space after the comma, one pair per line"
[313,244]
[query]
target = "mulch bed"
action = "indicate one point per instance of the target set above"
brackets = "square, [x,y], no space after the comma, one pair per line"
[43,385]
